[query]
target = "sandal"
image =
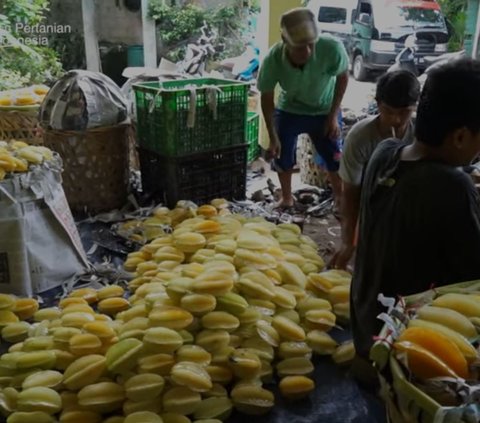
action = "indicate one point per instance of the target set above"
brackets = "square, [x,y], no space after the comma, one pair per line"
[285,209]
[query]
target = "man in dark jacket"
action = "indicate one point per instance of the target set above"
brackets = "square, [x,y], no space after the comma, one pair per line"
[420,213]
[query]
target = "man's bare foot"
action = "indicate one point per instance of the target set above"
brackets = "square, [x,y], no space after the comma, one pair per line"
[283,205]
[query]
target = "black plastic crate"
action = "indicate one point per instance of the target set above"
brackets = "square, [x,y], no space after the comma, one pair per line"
[253,123]
[197,177]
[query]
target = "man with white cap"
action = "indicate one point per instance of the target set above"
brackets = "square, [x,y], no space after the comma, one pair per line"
[312,72]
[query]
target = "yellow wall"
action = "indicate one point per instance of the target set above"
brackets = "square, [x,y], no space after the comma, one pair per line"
[269,34]
[277,8]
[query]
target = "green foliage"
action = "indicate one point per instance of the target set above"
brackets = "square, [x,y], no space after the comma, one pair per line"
[178,25]
[21,65]
[10,79]
[29,12]
[255,6]
[31,69]
[70,48]
[176,54]
[455,12]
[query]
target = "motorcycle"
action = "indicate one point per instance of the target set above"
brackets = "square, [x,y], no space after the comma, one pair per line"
[436,61]
[433,61]
[406,58]
[197,53]
[243,67]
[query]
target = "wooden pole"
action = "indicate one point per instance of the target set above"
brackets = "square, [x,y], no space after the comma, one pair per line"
[90,35]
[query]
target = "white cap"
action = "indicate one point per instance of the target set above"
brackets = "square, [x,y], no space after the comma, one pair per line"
[299,27]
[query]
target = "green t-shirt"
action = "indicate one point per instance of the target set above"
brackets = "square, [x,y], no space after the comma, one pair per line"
[307,91]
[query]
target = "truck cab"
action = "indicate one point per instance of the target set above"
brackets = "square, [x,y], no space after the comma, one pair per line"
[381,27]
[334,17]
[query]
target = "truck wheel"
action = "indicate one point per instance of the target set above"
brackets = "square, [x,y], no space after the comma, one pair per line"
[360,72]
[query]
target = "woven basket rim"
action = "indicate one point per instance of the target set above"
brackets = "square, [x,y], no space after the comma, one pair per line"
[86,131]
[23,114]
[30,111]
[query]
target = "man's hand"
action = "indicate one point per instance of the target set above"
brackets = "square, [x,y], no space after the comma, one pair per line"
[273,151]
[268,110]
[332,128]
[342,257]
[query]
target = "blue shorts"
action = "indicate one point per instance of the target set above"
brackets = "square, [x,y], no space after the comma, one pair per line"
[289,126]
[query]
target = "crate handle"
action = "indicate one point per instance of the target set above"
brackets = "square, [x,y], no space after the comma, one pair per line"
[192,108]
[212,102]
[152,101]
[159,91]
[212,99]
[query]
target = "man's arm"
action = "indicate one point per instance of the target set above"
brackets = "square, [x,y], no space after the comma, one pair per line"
[351,168]
[266,82]
[333,130]
[340,88]
[268,108]
[350,207]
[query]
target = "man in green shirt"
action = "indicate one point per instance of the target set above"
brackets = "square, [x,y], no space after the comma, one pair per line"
[312,72]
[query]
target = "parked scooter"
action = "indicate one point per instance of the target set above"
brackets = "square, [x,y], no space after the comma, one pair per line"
[197,53]
[412,65]
[434,61]
[406,59]
[243,67]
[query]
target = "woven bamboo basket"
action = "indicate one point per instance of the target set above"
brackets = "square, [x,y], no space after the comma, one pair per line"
[406,402]
[96,166]
[133,159]
[21,126]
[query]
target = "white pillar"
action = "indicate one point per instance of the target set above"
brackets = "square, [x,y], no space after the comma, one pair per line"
[477,35]
[90,34]
[149,38]
[263,28]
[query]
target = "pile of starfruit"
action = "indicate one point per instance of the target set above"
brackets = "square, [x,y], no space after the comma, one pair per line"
[217,310]
[29,96]
[162,219]
[17,156]
[438,340]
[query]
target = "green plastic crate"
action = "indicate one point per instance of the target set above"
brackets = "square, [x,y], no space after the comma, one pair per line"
[164,109]
[253,126]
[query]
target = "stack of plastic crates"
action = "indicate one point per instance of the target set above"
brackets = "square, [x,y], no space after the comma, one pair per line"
[192,139]
[253,123]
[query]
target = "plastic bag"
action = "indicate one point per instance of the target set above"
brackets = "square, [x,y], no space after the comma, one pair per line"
[83,100]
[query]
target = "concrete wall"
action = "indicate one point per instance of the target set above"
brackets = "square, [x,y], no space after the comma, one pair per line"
[267,35]
[114,23]
[67,12]
[118,24]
